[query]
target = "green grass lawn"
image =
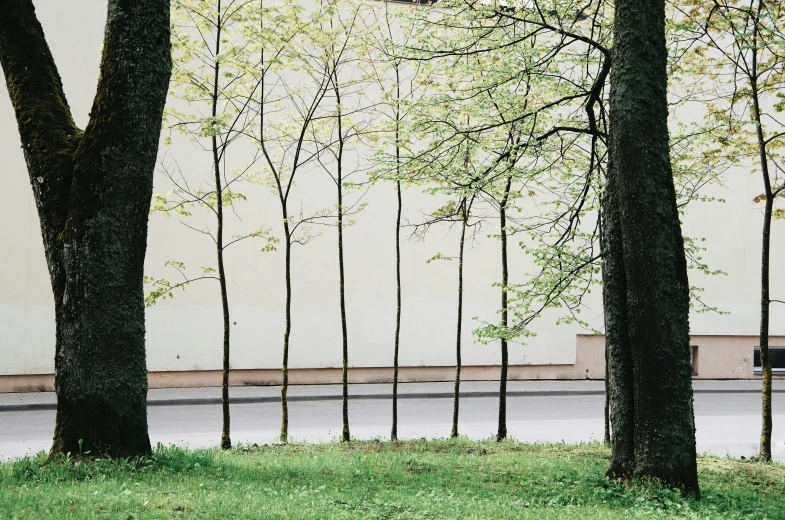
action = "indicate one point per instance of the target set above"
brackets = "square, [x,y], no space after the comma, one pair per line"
[417,479]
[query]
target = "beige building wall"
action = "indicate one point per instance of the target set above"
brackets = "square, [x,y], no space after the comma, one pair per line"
[184,334]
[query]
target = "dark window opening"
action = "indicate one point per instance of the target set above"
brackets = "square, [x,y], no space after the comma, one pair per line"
[694,359]
[776,357]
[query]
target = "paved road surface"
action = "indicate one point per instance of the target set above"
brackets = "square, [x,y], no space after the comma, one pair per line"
[727,423]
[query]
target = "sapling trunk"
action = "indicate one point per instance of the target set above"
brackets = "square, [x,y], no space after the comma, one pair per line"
[394,431]
[457,396]
[226,442]
[502,431]
[765,361]
[287,329]
[765,298]
[345,434]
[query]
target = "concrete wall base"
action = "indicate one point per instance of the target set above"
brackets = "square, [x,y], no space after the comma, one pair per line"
[715,357]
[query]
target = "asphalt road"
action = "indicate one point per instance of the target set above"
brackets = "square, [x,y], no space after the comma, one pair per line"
[727,423]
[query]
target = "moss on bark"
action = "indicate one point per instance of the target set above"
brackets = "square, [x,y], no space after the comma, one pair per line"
[93,193]
[620,385]
[657,290]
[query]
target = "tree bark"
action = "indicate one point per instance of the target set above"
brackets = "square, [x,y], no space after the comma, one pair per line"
[655,268]
[501,434]
[345,434]
[287,328]
[458,327]
[92,191]
[394,431]
[618,351]
[283,196]
[765,297]
[396,348]
[765,362]
[607,413]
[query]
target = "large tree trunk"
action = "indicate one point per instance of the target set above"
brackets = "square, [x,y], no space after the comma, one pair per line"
[653,248]
[607,414]
[93,192]
[618,354]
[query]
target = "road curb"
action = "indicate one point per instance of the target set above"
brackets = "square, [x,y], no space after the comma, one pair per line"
[196,401]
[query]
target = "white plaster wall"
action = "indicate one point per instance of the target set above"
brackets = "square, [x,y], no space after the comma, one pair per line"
[185,333]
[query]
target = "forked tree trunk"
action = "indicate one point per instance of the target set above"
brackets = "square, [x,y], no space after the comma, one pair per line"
[458,328]
[92,190]
[657,289]
[283,197]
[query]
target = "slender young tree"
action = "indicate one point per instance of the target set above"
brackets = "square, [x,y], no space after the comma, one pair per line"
[292,87]
[335,134]
[464,210]
[482,49]
[501,434]
[452,213]
[211,106]
[92,190]
[400,83]
[397,116]
[339,180]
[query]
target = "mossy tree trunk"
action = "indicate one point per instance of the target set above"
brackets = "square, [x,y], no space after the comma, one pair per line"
[618,354]
[657,289]
[607,413]
[92,191]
